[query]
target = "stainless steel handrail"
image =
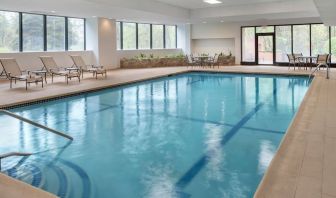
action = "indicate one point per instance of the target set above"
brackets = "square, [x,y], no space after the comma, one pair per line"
[11,154]
[36,124]
[318,67]
[14,154]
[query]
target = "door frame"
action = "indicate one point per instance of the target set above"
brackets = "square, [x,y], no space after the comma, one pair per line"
[257,35]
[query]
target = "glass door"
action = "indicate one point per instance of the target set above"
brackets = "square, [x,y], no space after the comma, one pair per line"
[265,49]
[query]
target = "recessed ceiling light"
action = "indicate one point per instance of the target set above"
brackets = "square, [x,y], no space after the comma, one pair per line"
[222,21]
[53,11]
[212,1]
[94,16]
[204,22]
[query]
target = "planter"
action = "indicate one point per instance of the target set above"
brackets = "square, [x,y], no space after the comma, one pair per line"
[153,62]
[226,60]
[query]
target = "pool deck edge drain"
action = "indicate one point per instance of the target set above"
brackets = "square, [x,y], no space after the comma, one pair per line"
[189,175]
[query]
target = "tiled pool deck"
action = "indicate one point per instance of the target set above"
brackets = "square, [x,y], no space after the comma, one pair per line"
[304,166]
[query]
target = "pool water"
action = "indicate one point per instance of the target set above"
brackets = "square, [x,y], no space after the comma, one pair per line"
[189,135]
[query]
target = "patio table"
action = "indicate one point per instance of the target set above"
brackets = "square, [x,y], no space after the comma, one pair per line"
[307,60]
[202,59]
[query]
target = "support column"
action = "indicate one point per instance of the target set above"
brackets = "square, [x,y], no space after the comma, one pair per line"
[101,39]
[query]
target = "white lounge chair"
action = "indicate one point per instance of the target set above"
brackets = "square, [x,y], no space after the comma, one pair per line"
[13,72]
[51,67]
[80,64]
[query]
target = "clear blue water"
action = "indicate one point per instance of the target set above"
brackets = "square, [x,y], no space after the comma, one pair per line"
[190,135]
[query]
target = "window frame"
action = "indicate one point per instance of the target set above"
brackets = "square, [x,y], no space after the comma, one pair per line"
[67,32]
[150,36]
[122,36]
[19,31]
[275,43]
[45,30]
[175,32]
[163,36]
[241,45]
[121,23]
[46,33]
[292,41]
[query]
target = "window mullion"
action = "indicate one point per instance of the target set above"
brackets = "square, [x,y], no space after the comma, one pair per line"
[45,33]
[137,35]
[20,33]
[151,36]
[66,34]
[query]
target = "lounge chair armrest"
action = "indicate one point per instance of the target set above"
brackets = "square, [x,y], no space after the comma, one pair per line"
[54,70]
[98,66]
[26,71]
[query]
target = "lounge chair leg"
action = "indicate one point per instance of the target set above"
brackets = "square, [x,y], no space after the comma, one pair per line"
[42,83]
[11,83]
[67,79]
[52,78]
[26,86]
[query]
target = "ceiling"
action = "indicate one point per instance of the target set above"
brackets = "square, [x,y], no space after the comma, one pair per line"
[327,12]
[197,4]
[180,11]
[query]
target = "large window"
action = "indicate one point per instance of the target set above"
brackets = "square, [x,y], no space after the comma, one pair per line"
[301,39]
[76,34]
[319,39]
[158,37]
[248,44]
[32,32]
[283,40]
[305,39]
[170,36]
[144,36]
[55,33]
[129,36]
[118,29]
[9,32]
[40,32]
[333,43]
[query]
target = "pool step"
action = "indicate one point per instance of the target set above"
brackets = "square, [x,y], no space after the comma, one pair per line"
[62,178]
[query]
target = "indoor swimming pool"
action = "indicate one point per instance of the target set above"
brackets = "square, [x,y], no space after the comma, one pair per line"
[189,135]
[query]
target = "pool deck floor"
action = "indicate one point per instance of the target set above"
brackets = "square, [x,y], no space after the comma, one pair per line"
[303,167]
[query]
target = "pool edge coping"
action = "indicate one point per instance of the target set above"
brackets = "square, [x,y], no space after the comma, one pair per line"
[291,129]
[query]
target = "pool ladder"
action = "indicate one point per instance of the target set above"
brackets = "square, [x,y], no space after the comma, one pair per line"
[22,154]
[318,67]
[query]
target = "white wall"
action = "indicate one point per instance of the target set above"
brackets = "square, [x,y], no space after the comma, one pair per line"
[101,40]
[229,31]
[107,43]
[184,38]
[31,61]
[213,46]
